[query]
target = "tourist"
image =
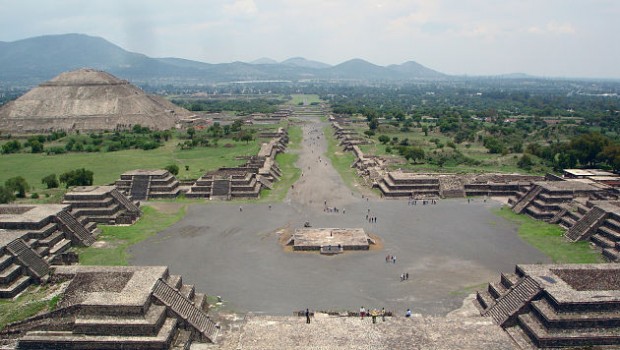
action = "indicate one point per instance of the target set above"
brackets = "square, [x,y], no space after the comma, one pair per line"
[393,259]
[407,275]
[362,312]
[408,313]
[402,277]
[240,209]
[307,316]
[383,314]
[374,313]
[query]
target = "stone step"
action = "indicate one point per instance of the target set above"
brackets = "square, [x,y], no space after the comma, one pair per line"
[566,320]
[509,279]
[5,261]
[609,233]
[28,258]
[200,300]
[485,299]
[520,338]
[602,241]
[142,325]
[16,287]
[60,247]
[43,251]
[44,232]
[496,289]
[613,223]
[187,290]
[70,341]
[10,273]
[51,240]
[612,254]
[543,338]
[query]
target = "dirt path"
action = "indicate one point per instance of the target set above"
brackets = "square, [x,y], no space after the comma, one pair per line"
[320,184]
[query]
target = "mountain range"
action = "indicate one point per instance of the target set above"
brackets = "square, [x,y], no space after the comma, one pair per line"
[34,60]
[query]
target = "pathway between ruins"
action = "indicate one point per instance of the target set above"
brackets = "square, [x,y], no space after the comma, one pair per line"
[320,182]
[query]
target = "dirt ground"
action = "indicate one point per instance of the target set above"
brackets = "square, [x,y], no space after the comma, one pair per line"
[449,249]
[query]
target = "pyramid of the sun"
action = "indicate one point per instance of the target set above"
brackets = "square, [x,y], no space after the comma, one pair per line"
[87,100]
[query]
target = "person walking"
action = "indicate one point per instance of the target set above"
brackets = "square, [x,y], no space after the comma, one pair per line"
[408,313]
[383,314]
[362,312]
[307,316]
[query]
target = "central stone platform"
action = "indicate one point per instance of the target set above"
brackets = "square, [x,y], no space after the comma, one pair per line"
[330,240]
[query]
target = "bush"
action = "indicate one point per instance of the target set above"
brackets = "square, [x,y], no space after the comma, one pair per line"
[34,196]
[6,195]
[50,181]
[77,177]
[17,184]
[13,146]
[173,169]
[56,150]
[525,162]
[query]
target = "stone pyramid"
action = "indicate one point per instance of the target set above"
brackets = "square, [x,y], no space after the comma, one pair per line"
[87,100]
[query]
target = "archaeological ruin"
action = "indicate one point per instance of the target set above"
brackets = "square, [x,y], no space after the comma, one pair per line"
[87,100]
[553,306]
[101,204]
[148,184]
[125,307]
[330,240]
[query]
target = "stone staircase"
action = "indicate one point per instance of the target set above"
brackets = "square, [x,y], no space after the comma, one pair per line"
[129,205]
[608,238]
[184,308]
[80,235]
[526,200]
[220,189]
[451,187]
[140,187]
[12,281]
[37,267]
[589,223]
[506,308]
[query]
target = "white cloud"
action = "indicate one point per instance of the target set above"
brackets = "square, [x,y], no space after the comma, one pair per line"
[241,8]
[560,28]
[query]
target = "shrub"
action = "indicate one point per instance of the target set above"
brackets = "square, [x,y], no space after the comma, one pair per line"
[50,181]
[77,177]
[173,169]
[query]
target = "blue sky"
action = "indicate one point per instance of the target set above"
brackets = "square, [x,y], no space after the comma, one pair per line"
[572,38]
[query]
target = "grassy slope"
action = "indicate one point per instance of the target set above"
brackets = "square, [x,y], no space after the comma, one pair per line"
[107,166]
[300,98]
[340,160]
[35,300]
[549,239]
[119,238]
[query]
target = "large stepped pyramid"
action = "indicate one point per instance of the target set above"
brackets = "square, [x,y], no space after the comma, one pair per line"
[557,305]
[87,100]
[148,184]
[101,204]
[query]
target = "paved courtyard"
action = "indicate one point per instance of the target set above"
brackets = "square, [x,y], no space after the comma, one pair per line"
[449,249]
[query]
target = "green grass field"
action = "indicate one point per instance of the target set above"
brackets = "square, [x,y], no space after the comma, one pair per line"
[35,300]
[301,98]
[549,239]
[119,238]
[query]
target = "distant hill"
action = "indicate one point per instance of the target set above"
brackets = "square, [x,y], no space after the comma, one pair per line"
[31,61]
[302,62]
[264,60]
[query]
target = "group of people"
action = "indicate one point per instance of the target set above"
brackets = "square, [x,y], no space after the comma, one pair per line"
[374,313]
[424,201]
[390,259]
[404,276]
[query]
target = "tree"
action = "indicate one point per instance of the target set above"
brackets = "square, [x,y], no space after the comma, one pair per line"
[373,124]
[77,177]
[425,130]
[11,147]
[50,181]
[17,184]
[191,132]
[6,195]
[247,137]
[525,162]
[414,153]
[173,169]
[494,145]
[384,139]
[36,146]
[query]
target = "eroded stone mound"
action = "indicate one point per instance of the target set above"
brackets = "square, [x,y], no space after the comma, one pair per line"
[87,100]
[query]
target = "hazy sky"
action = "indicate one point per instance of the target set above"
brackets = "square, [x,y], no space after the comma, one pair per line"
[576,38]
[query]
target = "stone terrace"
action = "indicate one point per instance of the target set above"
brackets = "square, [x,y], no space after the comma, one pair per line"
[101,204]
[105,307]
[557,305]
[148,184]
[464,330]
[542,200]
[320,238]
[31,238]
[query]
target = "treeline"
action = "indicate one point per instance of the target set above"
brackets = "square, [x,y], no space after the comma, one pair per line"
[138,137]
[241,106]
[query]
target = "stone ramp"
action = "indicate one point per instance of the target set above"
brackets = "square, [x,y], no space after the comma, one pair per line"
[29,258]
[526,200]
[507,306]
[185,309]
[75,229]
[588,224]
